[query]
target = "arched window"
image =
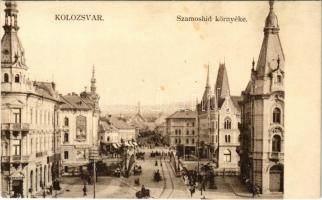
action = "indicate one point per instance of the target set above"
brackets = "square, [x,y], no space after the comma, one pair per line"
[66,121]
[187,141]
[227,123]
[6,78]
[176,141]
[187,132]
[31,179]
[193,141]
[66,137]
[277,115]
[193,132]
[17,78]
[227,155]
[276,143]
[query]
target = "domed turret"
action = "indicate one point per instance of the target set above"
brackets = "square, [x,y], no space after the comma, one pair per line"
[271,22]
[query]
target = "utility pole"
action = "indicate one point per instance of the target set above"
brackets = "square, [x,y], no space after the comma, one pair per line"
[94,156]
[198,136]
[218,125]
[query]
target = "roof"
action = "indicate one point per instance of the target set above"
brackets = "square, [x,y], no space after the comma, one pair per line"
[271,49]
[46,89]
[106,126]
[222,81]
[73,101]
[235,100]
[183,114]
[119,123]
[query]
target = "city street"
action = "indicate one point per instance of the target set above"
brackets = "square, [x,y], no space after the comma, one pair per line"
[169,187]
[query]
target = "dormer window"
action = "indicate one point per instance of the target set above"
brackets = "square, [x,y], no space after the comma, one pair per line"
[17,78]
[279,78]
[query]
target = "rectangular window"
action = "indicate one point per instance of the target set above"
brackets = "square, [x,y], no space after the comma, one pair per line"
[16,115]
[16,151]
[66,137]
[227,157]
[65,155]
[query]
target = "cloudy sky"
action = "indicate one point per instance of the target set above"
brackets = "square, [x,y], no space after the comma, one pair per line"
[141,53]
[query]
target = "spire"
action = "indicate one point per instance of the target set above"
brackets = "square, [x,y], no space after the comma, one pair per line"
[207,92]
[12,51]
[93,81]
[222,82]
[207,83]
[253,64]
[271,46]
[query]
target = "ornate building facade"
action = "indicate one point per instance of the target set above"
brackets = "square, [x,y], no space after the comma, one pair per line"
[29,128]
[219,142]
[79,116]
[262,108]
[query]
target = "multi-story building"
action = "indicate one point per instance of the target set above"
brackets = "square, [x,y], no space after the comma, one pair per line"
[262,152]
[219,143]
[182,130]
[114,131]
[29,127]
[79,115]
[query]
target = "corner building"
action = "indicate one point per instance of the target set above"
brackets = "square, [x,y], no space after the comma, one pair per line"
[262,127]
[30,154]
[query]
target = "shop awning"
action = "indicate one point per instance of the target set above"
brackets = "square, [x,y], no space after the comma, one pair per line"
[115,145]
[128,144]
[135,144]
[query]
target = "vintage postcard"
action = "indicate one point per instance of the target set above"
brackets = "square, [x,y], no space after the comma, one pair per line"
[160,99]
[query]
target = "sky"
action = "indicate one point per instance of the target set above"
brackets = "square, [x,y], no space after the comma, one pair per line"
[141,53]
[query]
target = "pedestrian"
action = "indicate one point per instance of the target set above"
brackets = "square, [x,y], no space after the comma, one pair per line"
[84,191]
[192,190]
[44,193]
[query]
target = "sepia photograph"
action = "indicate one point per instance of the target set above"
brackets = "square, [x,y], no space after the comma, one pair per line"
[160,99]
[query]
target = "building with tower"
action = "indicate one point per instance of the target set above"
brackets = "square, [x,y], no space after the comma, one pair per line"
[262,111]
[30,134]
[79,116]
[219,143]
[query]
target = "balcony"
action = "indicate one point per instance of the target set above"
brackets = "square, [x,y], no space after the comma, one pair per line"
[276,155]
[15,159]
[15,127]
